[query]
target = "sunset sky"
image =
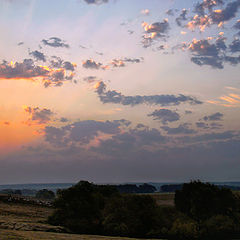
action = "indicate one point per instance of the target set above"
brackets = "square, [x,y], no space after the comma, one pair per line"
[119,90]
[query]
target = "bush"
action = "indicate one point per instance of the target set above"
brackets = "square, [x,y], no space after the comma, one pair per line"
[79,208]
[130,215]
[201,201]
[45,194]
[218,227]
[184,229]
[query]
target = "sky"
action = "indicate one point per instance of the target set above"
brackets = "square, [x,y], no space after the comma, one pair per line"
[116,91]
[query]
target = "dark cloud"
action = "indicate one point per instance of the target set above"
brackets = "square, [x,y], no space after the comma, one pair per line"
[227,13]
[154,31]
[20,43]
[213,125]
[237,25]
[232,60]
[182,17]
[63,119]
[222,136]
[181,129]
[96,1]
[24,70]
[38,55]
[211,61]
[170,12]
[81,132]
[55,42]
[27,70]
[207,53]
[90,79]
[121,62]
[165,115]
[214,117]
[200,8]
[59,63]
[91,64]
[162,100]
[202,125]
[235,46]
[38,116]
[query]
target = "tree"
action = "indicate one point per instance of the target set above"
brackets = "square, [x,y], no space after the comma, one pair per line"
[130,215]
[201,201]
[79,208]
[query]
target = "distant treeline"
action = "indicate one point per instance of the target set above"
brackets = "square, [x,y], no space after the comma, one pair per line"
[175,187]
[133,188]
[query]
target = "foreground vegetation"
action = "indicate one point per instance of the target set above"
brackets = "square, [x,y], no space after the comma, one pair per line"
[197,211]
[26,221]
[202,211]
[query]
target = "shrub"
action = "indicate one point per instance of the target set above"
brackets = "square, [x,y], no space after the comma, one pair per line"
[79,208]
[45,194]
[201,201]
[184,229]
[218,227]
[130,215]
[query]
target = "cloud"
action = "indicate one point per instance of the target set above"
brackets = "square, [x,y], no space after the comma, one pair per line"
[20,43]
[154,31]
[230,100]
[227,13]
[90,79]
[81,132]
[207,53]
[204,125]
[181,129]
[38,116]
[95,1]
[162,100]
[27,70]
[214,117]
[170,12]
[24,70]
[91,64]
[57,62]
[200,8]
[237,25]
[165,116]
[235,46]
[200,22]
[55,42]
[63,119]
[38,55]
[182,17]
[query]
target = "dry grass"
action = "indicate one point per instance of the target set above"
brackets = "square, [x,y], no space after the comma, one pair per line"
[28,222]
[164,199]
[29,235]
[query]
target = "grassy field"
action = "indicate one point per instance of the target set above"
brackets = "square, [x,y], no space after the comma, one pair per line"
[28,222]
[30,235]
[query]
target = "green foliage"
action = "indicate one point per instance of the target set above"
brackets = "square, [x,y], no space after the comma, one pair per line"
[130,215]
[184,229]
[203,211]
[45,194]
[218,227]
[79,208]
[201,201]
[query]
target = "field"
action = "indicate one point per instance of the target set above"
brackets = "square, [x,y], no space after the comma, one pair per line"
[28,222]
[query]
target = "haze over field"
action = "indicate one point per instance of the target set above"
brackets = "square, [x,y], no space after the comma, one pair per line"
[119,90]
